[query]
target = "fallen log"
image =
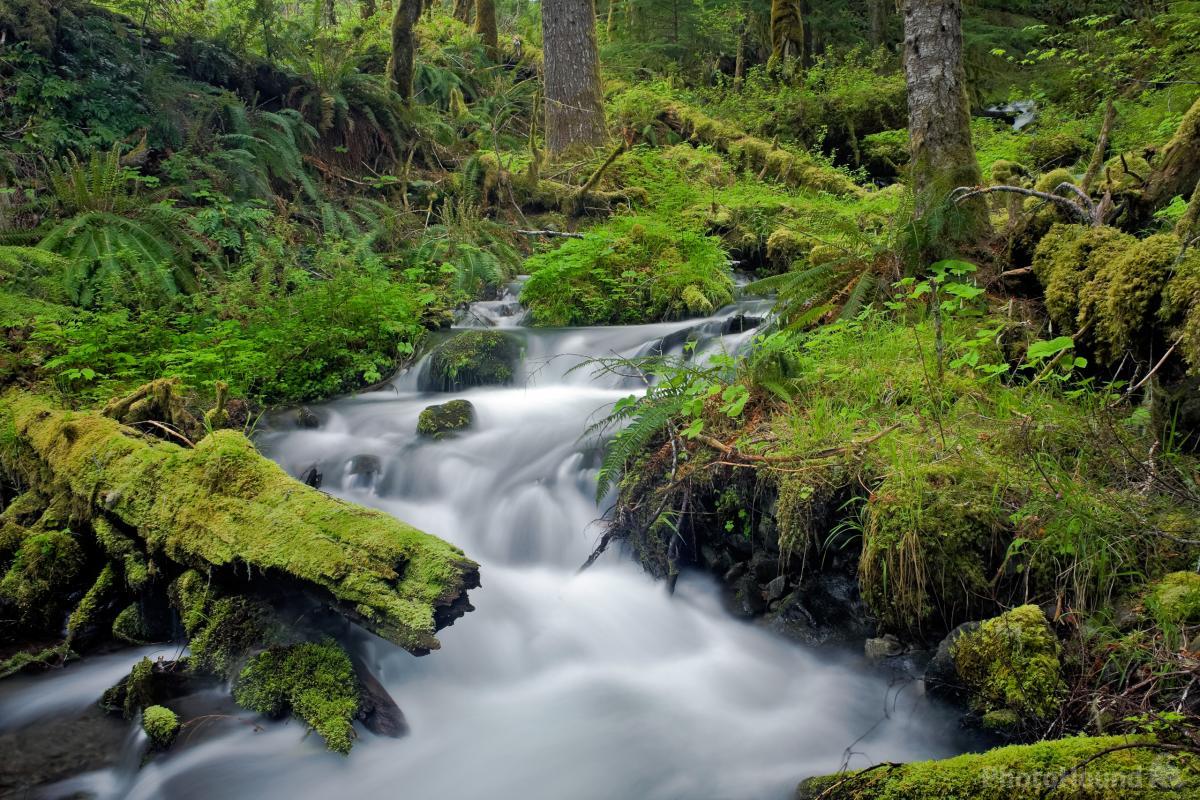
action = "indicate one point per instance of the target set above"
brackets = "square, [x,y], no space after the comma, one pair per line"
[223,507]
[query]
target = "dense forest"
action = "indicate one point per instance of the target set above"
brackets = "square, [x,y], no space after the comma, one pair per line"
[807,394]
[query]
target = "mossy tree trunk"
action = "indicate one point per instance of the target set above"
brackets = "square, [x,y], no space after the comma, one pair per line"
[1177,169]
[787,31]
[367,8]
[574,100]
[877,22]
[404,45]
[462,10]
[939,118]
[485,26]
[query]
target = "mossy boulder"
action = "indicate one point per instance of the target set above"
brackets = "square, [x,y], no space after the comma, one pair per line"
[221,505]
[315,681]
[1055,149]
[1174,603]
[446,419]
[129,626]
[934,536]
[161,726]
[473,358]
[1011,670]
[1027,771]
[1050,181]
[38,582]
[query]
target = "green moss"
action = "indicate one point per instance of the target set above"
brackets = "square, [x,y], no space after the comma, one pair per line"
[1063,263]
[221,629]
[161,726]
[92,605]
[1174,602]
[634,269]
[1180,309]
[932,537]
[39,580]
[120,547]
[135,692]
[443,420]
[47,657]
[1055,149]
[1021,771]
[1051,181]
[1009,173]
[1123,297]
[316,682]
[474,358]
[221,503]
[129,626]
[1010,666]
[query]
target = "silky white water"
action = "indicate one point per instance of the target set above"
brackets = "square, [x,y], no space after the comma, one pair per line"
[559,685]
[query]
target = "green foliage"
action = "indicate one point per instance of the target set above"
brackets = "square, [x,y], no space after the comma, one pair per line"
[161,726]
[633,269]
[38,582]
[316,682]
[1174,603]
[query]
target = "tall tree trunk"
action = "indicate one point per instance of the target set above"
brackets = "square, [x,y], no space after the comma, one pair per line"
[574,101]
[608,25]
[329,12]
[877,21]
[939,117]
[787,31]
[367,8]
[485,26]
[739,64]
[1098,155]
[404,45]
[462,10]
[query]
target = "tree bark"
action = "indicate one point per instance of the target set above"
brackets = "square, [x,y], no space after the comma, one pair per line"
[404,45]
[939,118]
[485,26]
[1089,177]
[1177,170]
[787,31]
[574,100]
[739,64]
[877,21]
[462,10]
[368,8]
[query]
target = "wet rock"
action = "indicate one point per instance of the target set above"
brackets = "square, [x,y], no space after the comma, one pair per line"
[446,419]
[472,358]
[740,323]
[776,588]
[750,601]
[941,676]
[306,418]
[363,470]
[794,621]
[312,477]
[886,646]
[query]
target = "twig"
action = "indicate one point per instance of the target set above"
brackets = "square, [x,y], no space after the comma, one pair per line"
[855,776]
[1086,212]
[167,430]
[560,234]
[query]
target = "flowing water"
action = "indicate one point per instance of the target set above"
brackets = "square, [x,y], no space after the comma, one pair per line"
[560,685]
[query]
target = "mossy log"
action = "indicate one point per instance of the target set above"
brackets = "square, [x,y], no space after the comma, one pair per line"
[1095,768]
[221,506]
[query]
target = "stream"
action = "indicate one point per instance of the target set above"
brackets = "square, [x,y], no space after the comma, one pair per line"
[560,685]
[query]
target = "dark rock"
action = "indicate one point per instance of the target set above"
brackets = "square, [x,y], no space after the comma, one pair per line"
[775,588]
[740,323]
[305,418]
[472,358]
[440,421]
[749,596]
[313,477]
[793,621]
[941,676]
[886,646]
[363,470]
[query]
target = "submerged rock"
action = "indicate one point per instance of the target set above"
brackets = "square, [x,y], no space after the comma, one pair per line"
[473,358]
[442,420]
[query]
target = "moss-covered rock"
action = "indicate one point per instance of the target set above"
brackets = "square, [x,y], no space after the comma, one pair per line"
[1174,603]
[38,582]
[314,681]
[633,270]
[474,358]
[221,628]
[130,627]
[933,537]
[1010,668]
[444,420]
[1055,149]
[1050,181]
[1027,771]
[161,726]
[221,504]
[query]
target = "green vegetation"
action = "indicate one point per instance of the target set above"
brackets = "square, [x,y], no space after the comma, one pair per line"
[161,726]
[474,358]
[314,681]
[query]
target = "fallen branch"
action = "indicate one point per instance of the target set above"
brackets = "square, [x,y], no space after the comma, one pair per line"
[732,451]
[1085,209]
[559,234]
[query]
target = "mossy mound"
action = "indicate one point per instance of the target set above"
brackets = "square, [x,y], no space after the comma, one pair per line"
[130,627]
[314,681]
[473,358]
[1051,770]
[1050,181]
[1010,668]
[221,504]
[934,535]
[1055,149]
[444,420]
[1174,603]
[37,583]
[221,628]
[161,726]
[634,269]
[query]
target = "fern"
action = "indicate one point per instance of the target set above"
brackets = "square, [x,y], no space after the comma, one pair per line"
[646,420]
[100,184]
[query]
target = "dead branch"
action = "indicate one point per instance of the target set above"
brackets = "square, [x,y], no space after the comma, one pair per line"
[559,234]
[1087,212]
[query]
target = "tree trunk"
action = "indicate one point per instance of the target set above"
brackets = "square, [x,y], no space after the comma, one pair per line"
[739,65]
[462,10]
[329,12]
[574,101]
[1089,177]
[787,31]
[404,45]
[877,21]
[485,26]
[368,8]
[939,118]
[1177,170]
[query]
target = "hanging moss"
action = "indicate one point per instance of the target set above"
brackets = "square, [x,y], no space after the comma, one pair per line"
[124,549]
[1010,667]
[314,681]
[86,614]
[130,627]
[161,726]
[39,581]
[221,629]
